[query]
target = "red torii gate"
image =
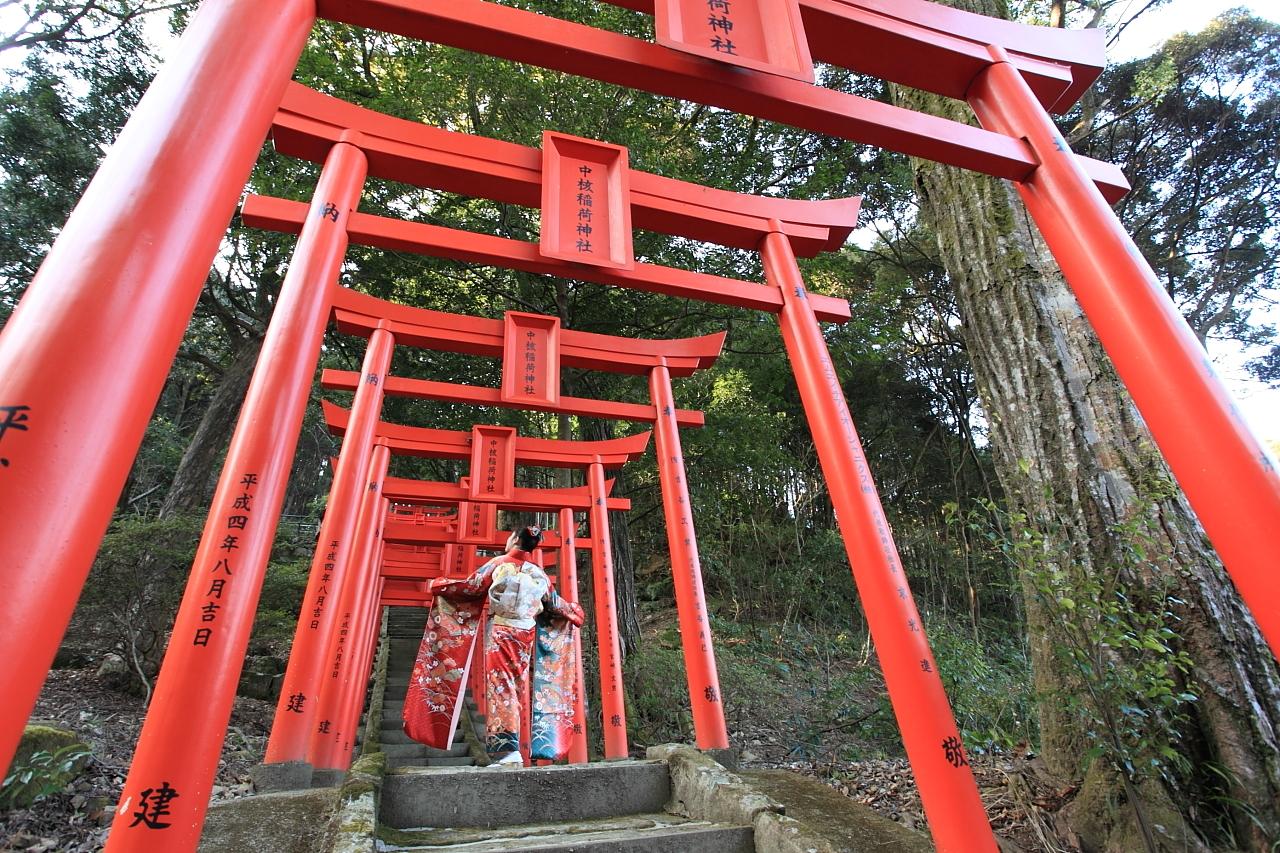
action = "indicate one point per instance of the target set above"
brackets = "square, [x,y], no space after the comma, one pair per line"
[531,500]
[590,456]
[324,728]
[401,490]
[363,315]
[915,687]
[292,740]
[310,124]
[179,165]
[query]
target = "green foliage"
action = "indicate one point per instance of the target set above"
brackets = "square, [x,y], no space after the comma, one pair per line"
[786,616]
[133,589]
[988,681]
[1195,126]
[41,774]
[55,120]
[657,694]
[279,604]
[1112,631]
[817,687]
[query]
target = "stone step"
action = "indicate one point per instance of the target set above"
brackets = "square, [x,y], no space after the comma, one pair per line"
[649,833]
[397,737]
[530,795]
[413,749]
[432,761]
[395,704]
[394,707]
[392,734]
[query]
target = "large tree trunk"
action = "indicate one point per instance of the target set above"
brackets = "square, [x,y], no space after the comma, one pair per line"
[1080,470]
[197,472]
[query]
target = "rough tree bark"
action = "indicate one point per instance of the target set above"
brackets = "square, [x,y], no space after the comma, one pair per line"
[193,482]
[1074,457]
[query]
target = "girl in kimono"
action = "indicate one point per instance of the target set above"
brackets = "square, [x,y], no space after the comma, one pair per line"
[518,591]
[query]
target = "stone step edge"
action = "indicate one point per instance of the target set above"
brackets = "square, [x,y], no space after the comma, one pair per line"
[556,833]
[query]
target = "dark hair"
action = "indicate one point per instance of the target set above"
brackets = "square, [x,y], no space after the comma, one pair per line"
[530,538]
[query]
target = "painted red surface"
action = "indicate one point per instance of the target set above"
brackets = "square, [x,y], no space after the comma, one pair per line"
[425,389]
[764,35]
[329,746]
[493,463]
[948,52]
[214,621]
[478,521]
[613,703]
[417,563]
[940,49]
[134,254]
[530,360]
[525,499]
[568,587]
[382,232]
[359,314]
[586,202]
[85,355]
[1227,476]
[291,730]
[309,123]
[705,697]
[451,444]
[948,791]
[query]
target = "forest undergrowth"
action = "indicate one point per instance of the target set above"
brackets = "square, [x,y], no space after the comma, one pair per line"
[811,699]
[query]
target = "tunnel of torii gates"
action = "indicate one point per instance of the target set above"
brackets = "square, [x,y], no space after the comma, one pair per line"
[85,355]
[494,453]
[326,733]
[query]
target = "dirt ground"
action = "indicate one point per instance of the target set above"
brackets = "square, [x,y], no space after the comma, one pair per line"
[1020,798]
[76,819]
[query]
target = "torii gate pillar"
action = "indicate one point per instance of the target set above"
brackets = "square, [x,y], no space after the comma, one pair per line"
[331,744]
[705,698]
[948,790]
[1228,478]
[112,300]
[568,588]
[612,702]
[182,735]
[296,719]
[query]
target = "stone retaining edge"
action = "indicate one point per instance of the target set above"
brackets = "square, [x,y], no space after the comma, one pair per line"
[372,740]
[354,826]
[703,789]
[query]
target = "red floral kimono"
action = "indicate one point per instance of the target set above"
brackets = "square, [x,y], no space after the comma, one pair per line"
[525,614]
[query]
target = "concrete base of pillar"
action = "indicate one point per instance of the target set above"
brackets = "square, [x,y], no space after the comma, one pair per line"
[284,776]
[322,778]
[726,758]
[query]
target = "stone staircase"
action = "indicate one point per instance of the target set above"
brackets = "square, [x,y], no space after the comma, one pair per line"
[433,800]
[403,796]
[405,626]
[605,807]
